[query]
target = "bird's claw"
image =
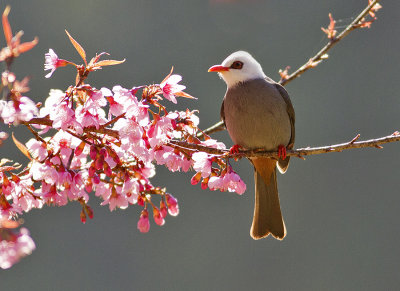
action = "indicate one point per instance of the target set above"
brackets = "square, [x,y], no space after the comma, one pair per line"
[234,149]
[282,152]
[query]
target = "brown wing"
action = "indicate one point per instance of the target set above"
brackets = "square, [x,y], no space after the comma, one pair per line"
[284,164]
[223,112]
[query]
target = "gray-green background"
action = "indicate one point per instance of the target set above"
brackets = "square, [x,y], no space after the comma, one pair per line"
[341,210]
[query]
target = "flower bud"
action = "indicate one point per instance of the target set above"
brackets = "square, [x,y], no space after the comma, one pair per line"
[157,216]
[98,163]
[140,200]
[144,223]
[172,203]
[195,179]
[92,170]
[89,211]
[93,152]
[96,179]
[83,216]
[79,148]
[163,208]
[107,169]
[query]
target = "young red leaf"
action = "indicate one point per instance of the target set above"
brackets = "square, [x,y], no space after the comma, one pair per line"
[26,46]
[6,26]
[21,147]
[108,63]
[78,47]
[185,95]
[170,73]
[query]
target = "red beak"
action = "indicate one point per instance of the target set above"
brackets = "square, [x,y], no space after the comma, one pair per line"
[218,68]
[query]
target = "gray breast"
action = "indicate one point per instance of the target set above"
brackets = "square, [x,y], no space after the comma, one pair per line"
[256,115]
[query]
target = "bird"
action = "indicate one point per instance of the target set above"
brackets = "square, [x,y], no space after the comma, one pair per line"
[257,113]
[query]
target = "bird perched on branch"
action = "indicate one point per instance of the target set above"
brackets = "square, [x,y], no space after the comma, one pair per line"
[258,113]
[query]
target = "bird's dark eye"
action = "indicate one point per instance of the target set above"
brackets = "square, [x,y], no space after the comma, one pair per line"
[237,65]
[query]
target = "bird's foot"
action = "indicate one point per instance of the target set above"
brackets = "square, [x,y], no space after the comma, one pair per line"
[282,152]
[234,149]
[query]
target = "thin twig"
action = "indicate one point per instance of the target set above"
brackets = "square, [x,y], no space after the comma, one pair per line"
[320,56]
[300,153]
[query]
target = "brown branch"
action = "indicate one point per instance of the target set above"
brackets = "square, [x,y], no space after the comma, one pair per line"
[90,129]
[320,56]
[300,153]
[311,63]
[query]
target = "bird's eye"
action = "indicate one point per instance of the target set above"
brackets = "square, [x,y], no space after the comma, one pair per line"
[237,65]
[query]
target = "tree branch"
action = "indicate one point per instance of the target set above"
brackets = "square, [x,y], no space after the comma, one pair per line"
[311,63]
[300,153]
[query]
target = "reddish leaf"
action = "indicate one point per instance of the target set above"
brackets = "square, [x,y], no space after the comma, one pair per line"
[6,26]
[26,46]
[78,47]
[21,147]
[109,63]
[170,73]
[185,95]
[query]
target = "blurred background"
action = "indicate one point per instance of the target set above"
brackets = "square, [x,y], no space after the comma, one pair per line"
[342,210]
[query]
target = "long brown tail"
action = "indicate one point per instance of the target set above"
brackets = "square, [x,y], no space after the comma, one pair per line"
[267,217]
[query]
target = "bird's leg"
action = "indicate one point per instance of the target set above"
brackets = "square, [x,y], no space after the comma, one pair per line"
[234,149]
[282,152]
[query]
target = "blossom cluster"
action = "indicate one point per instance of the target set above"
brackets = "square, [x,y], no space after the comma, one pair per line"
[14,245]
[102,142]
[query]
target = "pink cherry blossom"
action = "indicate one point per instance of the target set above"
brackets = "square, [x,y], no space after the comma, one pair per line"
[233,183]
[11,251]
[144,223]
[131,190]
[37,149]
[215,182]
[202,163]
[52,62]
[212,143]
[230,181]
[170,86]
[116,199]
[15,111]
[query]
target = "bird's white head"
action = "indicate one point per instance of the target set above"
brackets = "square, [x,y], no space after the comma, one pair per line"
[238,67]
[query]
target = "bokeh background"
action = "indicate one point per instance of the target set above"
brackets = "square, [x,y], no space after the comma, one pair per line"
[342,210]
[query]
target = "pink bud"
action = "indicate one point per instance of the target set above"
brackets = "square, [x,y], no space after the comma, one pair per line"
[157,216]
[107,169]
[89,211]
[83,217]
[93,152]
[79,149]
[89,186]
[204,183]
[114,156]
[195,179]
[92,170]
[163,208]
[96,179]
[103,152]
[98,163]
[140,200]
[144,223]
[173,207]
